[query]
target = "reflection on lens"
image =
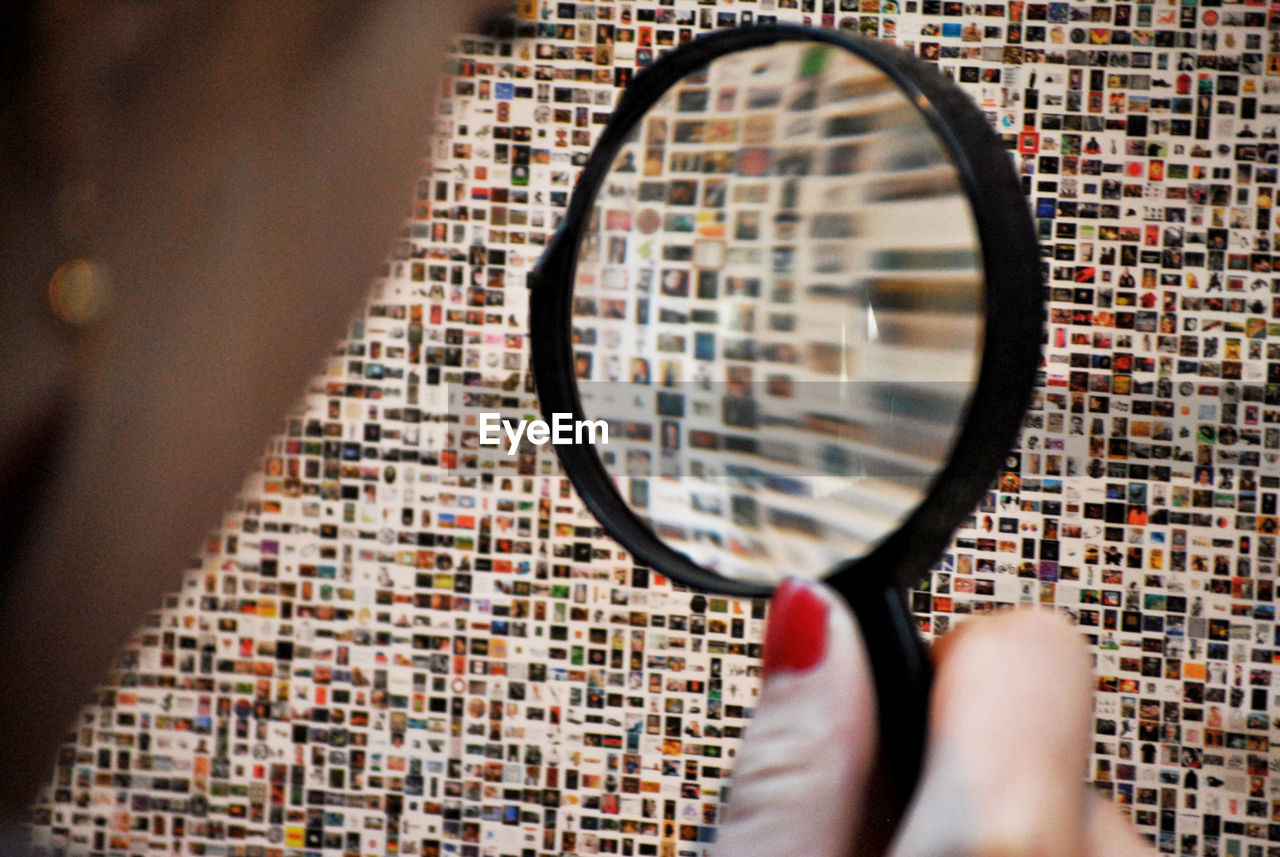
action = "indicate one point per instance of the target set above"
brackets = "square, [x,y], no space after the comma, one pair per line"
[778,309]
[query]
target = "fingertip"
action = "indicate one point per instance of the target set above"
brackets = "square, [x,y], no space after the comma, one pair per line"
[811,627]
[1009,733]
[1019,643]
[812,732]
[796,635]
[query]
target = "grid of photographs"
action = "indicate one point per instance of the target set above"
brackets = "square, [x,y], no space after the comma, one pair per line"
[782,259]
[396,644]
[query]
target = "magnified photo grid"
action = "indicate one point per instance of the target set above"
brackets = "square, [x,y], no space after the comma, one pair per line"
[778,311]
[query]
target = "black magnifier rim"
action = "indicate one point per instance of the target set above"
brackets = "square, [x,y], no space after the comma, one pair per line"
[1013,314]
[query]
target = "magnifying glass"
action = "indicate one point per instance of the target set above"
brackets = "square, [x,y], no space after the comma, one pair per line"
[794,316]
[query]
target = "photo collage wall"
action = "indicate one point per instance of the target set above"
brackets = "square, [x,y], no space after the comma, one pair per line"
[396,644]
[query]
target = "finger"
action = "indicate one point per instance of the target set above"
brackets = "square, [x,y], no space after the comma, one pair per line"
[796,788]
[1008,733]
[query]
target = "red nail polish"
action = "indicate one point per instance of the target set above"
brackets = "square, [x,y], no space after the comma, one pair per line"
[796,637]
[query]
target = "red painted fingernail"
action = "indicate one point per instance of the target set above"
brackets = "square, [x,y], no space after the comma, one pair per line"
[796,637]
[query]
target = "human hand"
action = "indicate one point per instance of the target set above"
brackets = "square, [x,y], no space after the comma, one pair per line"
[1004,766]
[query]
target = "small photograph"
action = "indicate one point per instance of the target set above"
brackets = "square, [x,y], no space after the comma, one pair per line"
[675,283]
[682,192]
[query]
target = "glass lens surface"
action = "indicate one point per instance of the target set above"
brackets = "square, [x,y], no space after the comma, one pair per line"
[778,311]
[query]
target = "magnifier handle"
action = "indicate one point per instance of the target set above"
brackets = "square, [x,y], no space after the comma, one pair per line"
[903,671]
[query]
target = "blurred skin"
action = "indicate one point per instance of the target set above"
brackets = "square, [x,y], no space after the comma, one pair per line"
[1005,762]
[253,162]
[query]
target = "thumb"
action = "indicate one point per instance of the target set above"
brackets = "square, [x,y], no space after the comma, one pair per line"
[797,785]
[1009,739]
